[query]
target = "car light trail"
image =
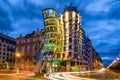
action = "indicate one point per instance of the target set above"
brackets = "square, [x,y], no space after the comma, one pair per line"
[66,75]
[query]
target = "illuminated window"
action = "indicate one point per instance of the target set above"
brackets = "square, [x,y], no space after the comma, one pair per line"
[55,29]
[70,16]
[58,55]
[51,28]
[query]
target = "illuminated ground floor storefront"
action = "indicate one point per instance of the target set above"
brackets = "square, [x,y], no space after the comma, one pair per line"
[63,66]
[6,65]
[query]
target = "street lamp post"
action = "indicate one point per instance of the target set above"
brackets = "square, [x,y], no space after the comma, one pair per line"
[17,55]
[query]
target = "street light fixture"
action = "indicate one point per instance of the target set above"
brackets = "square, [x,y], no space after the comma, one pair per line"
[17,55]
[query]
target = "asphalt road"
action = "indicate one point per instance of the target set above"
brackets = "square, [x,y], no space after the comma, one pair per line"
[16,77]
[85,75]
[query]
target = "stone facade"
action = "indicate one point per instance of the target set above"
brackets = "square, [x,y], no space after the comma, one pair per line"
[28,47]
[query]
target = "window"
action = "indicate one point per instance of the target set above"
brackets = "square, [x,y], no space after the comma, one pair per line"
[58,55]
[70,47]
[55,29]
[26,41]
[63,55]
[4,45]
[26,49]
[8,46]
[4,49]
[31,47]
[3,53]
[31,40]
[0,44]
[72,63]
[47,29]
[51,28]
[75,48]
[70,16]
[19,41]
[51,35]
[75,41]
[3,57]
[64,49]
[64,43]
[70,40]
[36,46]
[70,54]
[50,41]
[75,26]
[75,55]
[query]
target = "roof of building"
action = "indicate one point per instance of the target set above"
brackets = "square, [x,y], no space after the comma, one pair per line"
[70,8]
[6,37]
[30,35]
[33,34]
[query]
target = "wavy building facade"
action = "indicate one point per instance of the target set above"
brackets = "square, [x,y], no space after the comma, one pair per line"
[65,45]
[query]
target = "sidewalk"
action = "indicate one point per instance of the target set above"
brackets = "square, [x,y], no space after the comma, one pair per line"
[23,73]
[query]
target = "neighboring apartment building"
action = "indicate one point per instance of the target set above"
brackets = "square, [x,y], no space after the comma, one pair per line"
[7,50]
[28,47]
[76,47]
[72,37]
[96,60]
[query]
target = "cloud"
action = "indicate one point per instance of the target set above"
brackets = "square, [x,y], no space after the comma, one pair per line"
[100,20]
[107,58]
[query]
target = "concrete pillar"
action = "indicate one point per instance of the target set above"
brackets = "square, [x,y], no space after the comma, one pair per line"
[75,63]
[68,66]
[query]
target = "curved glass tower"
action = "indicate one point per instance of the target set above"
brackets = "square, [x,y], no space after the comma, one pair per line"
[52,42]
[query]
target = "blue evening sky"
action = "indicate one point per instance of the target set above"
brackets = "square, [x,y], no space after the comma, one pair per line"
[100,20]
